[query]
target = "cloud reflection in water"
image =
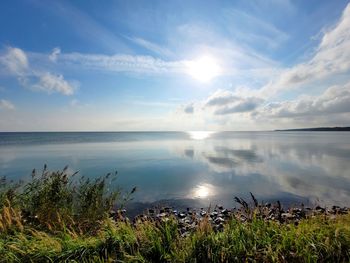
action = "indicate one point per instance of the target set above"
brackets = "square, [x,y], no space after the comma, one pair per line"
[272,165]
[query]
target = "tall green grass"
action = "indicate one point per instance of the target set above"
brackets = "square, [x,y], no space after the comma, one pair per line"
[57,218]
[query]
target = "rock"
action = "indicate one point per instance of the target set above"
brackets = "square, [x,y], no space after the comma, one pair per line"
[343,211]
[320,209]
[162,215]
[220,227]
[225,212]
[182,215]
[287,216]
[187,221]
[219,220]
[296,210]
[335,207]
[213,214]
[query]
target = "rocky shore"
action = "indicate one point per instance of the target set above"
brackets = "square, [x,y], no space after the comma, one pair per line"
[189,219]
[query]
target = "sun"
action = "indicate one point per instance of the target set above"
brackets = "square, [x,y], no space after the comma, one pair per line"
[204,68]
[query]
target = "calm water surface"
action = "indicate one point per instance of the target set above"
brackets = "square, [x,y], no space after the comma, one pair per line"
[195,168]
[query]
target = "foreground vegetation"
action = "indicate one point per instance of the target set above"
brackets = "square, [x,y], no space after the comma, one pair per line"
[57,218]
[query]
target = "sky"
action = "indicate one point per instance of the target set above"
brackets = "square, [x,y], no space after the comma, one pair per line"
[141,65]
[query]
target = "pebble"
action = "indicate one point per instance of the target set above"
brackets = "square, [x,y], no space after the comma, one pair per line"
[189,220]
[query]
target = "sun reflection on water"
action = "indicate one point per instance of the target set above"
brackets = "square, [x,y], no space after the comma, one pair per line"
[200,135]
[202,191]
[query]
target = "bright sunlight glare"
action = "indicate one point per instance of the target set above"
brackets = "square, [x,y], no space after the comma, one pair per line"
[204,68]
[200,135]
[202,191]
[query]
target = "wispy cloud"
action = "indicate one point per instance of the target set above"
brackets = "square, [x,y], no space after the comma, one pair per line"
[51,83]
[331,105]
[84,25]
[155,48]
[332,57]
[122,63]
[252,30]
[6,105]
[54,54]
[235,56]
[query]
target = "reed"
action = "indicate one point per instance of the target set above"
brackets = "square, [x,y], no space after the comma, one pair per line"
[57,218]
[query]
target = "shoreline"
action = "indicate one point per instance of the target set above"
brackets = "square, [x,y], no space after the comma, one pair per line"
[190,218]
[54,218]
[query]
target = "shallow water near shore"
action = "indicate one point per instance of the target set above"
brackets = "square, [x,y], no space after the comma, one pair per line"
[194,169]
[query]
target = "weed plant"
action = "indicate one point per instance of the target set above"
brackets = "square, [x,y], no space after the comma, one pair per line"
[57,218]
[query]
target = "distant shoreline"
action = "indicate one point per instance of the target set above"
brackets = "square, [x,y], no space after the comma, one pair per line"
[319,129]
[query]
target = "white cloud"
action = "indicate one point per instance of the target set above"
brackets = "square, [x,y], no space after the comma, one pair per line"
[334,100]
[229,110]
[16,62]
[221,97]
[51,83]
[54,54]
[331,58]
[6,105]
[329,103]
[226,102]
[242,105]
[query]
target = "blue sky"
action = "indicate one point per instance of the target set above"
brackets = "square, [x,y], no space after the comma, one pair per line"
[173,65]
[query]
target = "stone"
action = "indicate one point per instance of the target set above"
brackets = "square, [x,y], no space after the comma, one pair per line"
[162,215]
[182,215]
[219,220]
[213,214]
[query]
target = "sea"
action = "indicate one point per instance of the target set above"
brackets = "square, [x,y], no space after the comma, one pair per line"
[193,169]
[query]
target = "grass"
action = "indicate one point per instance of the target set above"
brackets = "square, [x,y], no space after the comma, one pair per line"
[53,219]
